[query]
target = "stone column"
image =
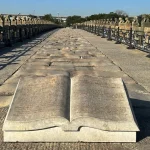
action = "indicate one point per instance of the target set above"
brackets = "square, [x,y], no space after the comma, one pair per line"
[128,34]
[13,29]
[7,36]
[108,26]
[29,27]
[138,33]
[103,27]
[121,29]
[20,30]
[1,31]
[24,28]
[145,24]
[34,26]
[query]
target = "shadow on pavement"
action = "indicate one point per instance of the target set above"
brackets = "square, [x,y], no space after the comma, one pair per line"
[142,115]
[9,54]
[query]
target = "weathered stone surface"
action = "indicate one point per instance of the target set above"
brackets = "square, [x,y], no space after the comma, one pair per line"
[7,89]
[58,135]
[107,68]
[62,68]
[31,66]
[63,64]
[96,73]
[5,101]
[37,102]
[97,107]
[134,64]
[79,68]
[104,99]
[41,72]
[11,59]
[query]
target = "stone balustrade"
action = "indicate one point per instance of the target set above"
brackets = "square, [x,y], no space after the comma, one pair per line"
[133,33]
[14,29]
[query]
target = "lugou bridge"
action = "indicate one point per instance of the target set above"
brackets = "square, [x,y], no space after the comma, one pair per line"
[73,89]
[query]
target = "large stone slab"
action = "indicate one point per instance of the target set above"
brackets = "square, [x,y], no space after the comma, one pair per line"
[59,109]
[36,101]
[104,99]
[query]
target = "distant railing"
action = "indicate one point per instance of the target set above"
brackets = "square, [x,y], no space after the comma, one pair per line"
[121,31]
[14,29]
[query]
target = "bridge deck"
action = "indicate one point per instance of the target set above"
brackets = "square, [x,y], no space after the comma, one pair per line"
[97,57]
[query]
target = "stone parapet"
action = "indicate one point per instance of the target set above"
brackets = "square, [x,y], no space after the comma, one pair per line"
[132,32]
[16,28]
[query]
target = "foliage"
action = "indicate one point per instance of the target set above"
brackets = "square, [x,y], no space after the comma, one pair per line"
[74,19]
[111,15]
[48,17]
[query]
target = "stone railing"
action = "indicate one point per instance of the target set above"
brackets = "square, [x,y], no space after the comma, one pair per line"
[14,29]
[132,33]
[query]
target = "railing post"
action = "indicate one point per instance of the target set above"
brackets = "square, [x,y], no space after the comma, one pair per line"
[98,30]
[130,40]
[118,36]
[7,35]
[103,32]
[92,28]
[1,31]
[95,29]
[109,34]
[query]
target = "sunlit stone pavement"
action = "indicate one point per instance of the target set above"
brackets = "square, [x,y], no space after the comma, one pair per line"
[76,52]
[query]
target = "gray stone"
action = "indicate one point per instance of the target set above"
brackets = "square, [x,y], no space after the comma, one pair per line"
[125,59]
[58,135]
[31,66]
[7,89]
[41,72]
[83,68]
[48,109]
[97,73]
[62,68]
[82,64]
[5,101]
[134,63]
[37,99]
[62,64]
[111,68]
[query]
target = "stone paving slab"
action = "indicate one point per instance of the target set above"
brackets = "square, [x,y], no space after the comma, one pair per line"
[13,58]
[133,62]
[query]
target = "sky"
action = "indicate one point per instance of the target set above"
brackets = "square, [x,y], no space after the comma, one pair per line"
[73,7]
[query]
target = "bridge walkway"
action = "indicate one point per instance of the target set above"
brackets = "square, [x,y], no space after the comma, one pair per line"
[79,52]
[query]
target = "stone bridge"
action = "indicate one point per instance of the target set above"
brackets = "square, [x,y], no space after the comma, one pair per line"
[75,52]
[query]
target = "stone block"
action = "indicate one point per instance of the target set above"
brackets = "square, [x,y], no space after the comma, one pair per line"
[56,134]
[5,101]
[111,68]
[63,109]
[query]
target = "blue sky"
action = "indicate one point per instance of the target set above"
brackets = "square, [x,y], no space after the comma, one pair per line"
[74,7]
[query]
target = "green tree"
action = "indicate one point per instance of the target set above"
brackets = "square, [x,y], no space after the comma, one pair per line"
[74,19]
[112,15]
[48,17]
